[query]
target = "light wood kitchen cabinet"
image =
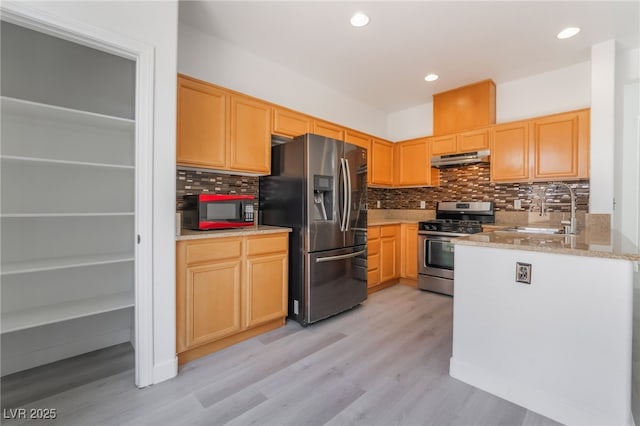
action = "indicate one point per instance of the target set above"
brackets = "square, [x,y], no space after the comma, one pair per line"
[389,252]
[357,138]
[561,146]
[290,123]
[228,290]
[510,152]
[413,162]
[381,163]
[267,266]
[554,147]
[409,252]
[250,135]
[212,301]
[327,129]
[444,145]
[373,256]
[474,140]
[222,130]
[464,108]
[201,125]
[392,255]
[208,290]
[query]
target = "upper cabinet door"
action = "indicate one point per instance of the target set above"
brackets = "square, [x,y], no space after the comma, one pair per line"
[444,145]
[250,135]
[510,152]
[464,108]
[560,146]
[201,125]
[474,140]
[381,163]
[328,130]
[290,123]
[414,164]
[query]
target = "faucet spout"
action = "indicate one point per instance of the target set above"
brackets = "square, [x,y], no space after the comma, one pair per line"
[573,229]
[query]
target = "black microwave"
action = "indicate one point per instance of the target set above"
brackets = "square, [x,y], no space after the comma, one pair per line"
[216,211]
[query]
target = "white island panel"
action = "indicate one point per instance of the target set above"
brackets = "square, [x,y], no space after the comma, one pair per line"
[560,346]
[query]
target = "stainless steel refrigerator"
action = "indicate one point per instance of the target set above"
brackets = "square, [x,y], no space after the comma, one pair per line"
[318,187]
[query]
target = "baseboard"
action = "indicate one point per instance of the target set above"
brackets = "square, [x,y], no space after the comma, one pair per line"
[207,348]
[555,407]
[410,282]
[165,370]
[382,286]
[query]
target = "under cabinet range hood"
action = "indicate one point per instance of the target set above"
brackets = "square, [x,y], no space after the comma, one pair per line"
[453,160]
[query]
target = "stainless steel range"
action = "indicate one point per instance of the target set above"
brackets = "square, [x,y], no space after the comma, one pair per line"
[435,251]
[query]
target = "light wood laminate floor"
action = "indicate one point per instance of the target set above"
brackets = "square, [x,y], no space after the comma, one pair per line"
[384,363]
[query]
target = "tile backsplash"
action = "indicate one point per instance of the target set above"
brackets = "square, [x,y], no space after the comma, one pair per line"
[473,183]
[189,182]
[468,183]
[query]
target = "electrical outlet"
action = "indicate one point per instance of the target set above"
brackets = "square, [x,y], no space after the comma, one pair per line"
[517,204]
[423,204]
[523,273]
[378,204]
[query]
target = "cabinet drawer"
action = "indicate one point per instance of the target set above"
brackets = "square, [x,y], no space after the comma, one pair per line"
[216,249]
[262,244]
[373,232]
[388,231]
[373,277]
[373,247]
[373,262]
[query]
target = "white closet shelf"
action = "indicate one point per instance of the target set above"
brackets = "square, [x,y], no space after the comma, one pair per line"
[36,110]
[65,162]
[64,263]
[36,215]
[43,315]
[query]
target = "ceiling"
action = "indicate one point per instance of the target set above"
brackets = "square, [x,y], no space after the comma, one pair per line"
[384,63]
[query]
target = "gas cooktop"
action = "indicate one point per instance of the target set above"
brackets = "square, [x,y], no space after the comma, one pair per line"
[460,217]
[450,225]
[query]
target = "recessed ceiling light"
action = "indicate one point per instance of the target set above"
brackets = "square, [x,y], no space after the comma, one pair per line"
[568,32]
[359,20]
[431,77]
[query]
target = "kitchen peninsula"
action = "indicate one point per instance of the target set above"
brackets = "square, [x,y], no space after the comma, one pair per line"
[545,321]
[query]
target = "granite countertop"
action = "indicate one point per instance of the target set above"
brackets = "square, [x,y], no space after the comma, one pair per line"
[584,244]
[188,234]
[379,222]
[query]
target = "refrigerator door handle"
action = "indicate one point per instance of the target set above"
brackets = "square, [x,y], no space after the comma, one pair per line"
[346,225]
[339,257]
[345,188]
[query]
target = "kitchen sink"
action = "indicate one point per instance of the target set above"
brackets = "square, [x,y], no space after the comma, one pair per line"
[534,230]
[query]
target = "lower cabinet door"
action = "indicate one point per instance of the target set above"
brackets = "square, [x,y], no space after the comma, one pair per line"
[388,250]
[213,302]
[266,288]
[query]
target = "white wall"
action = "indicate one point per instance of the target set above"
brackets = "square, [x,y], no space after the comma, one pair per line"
[411,123]
[216,61]
[627,149]
[559,90]
[627,185]
[154,23]
[602,141]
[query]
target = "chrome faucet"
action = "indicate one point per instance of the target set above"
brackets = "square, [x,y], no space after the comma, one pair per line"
[572,228]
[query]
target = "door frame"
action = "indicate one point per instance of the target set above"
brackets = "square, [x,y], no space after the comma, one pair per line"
[144,56]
